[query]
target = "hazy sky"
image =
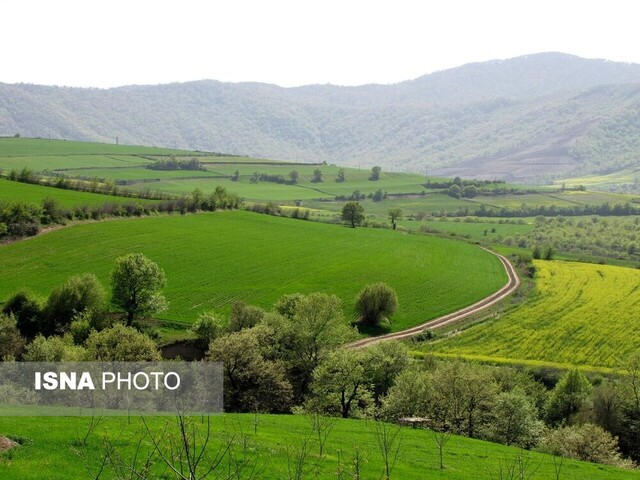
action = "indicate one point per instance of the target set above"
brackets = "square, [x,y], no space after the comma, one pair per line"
[110,43]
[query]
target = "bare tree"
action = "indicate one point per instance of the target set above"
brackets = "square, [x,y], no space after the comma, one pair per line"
[389,440]
[321,426]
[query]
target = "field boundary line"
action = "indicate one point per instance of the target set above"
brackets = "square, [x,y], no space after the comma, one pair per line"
[513,283]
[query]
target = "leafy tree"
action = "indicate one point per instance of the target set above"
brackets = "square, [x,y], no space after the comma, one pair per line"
[340,177]
[251,382]
[207,327]
[395,214]
[53,349]
[11,342]
[339,383]
[514,420]
[537,252]
[352,213]
[383,362]
[568,397]
[26,308]
[136,283]
[379,195]
[121,344]
[454,191]
[311,328]
[588,442]
[409,396]
[294,175]
[78,294]
[317,176]
[375,173]
[375,302]
[288,304]
[244,316]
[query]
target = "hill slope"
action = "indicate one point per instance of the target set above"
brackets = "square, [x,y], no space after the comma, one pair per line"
[520,119]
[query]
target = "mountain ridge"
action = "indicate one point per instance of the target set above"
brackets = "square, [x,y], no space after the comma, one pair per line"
[488,119]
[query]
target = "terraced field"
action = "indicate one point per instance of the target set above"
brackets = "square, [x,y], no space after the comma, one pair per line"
[212,260]
[10,191]
[580,314]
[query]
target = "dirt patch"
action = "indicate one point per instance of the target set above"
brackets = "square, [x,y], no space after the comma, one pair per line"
[6,444]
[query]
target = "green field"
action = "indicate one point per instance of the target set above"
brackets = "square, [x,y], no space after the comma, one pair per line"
[211,260]
[13,191]
[51,450]
[579,314]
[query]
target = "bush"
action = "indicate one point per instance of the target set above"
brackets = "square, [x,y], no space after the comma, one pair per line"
[121,344]
[375,302]
[77,295]
[11,342]
[26,308]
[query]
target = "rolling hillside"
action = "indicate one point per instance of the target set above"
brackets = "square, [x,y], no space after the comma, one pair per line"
[231,256]
[525,119]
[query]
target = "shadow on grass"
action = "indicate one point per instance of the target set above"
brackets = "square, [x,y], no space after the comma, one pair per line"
[373,330]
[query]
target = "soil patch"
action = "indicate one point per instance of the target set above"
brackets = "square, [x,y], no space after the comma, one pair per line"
[6,444]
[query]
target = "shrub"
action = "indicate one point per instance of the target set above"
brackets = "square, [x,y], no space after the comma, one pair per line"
[375,302]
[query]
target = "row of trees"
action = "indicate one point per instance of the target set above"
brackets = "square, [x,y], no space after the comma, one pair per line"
[22,219]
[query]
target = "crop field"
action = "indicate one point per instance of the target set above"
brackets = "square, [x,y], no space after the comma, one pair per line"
[212,260]
[51,444]
[489,231]
[34,146]
[11,191]
[579,314]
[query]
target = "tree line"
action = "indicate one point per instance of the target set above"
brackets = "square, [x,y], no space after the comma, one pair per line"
[23,219]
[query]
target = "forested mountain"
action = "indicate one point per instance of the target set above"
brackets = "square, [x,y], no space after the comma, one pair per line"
[523,119]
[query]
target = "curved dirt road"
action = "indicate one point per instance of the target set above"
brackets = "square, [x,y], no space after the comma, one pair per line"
[512,284]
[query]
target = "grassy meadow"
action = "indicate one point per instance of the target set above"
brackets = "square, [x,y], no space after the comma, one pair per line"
[52,445]
[11,191]
[579,314]
[212,260]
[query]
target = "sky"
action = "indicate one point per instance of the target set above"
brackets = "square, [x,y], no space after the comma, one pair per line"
[97,43]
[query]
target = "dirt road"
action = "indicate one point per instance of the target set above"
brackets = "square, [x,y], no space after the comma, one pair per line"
[512,284]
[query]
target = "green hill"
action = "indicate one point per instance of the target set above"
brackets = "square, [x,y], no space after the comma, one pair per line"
[51,450]
[212,260]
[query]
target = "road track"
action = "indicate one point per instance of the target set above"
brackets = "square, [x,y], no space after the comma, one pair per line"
[511,286]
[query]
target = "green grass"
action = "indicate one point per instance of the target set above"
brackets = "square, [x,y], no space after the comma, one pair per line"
[11,191]
[211,260]
[50,450]
[35,146]
[579,314]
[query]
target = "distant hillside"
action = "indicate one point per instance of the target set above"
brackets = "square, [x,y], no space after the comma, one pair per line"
[526,119]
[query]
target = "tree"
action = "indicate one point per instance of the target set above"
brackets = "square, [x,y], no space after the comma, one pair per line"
[339,383]
[454,191]
[121,344]
[136,283]
[294,175]
[395,214]
[310,329]
[375,173]
[340,176]
[77,295]
[375,302]
[514,420]
[11,342]
[352,213]
[207,328]
[26,308]
[317,176]
[53,349]
[251,382]
[244,316]
[568,397]
[588,442]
